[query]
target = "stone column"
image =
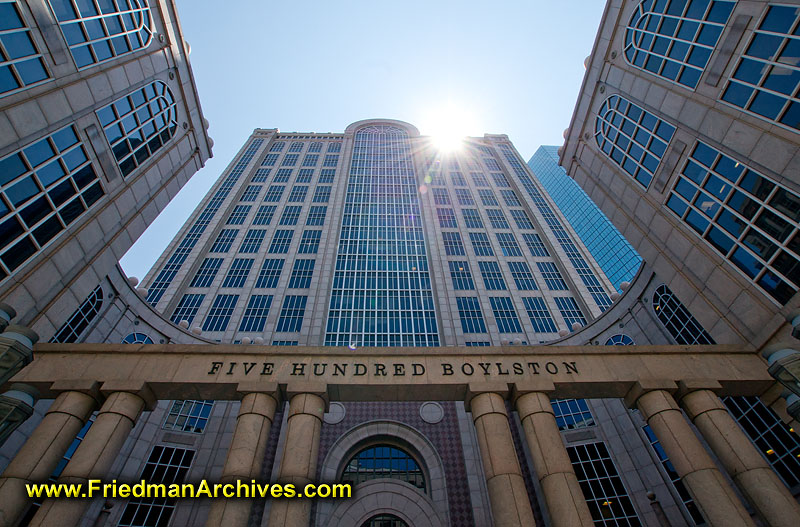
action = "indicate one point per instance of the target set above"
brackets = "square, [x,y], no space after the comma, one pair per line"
[562,493]
[307,403]
[125,401]
[715,498]
[749,470]
[43,450]
[507,493]
[246,452]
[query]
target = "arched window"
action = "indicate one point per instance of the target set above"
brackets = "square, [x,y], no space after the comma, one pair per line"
[97,35]
[632,137]
[138,124]
[81,318]
[674,39]
[620,340]
[383,461]
[766,79]
[137,338]
[683,327]
[384,520]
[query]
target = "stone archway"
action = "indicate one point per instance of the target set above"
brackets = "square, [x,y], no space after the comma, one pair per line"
[382,496]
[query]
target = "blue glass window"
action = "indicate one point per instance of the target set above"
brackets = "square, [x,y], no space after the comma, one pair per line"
[238,215]
[766,79]
[447,218]
[452,244]
[469,310]
[281,241]
[264,215]
[539,315]
[464,196]
[441,197]
[298,193]
[256,313]
[316,215]
[274,193]
[674,39]
[289,160]
[206,273]
[292,313]
[522,276]
[510,197]
[461,276]
[95,36]
[683,327]
[80,319]
[497,218]
[21,64]
[572,414]
[137,125]
[488,198]
[237,274]
[252,241]
[270,274]
[521,219]
[472,218]
[619,340]
[224,241]
[302,274]
[505,314]
[309,243]
[552,276]
[220,313]
[261,175]
[632,137]
[305,175]
[492,277]
[508,244]
[570,310]
[322,194]
[282,175]
[290,215]
[479,178]
[481,244]
[535,245]
[250,193]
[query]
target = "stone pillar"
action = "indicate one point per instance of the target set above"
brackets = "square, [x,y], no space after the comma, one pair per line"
[43,450]
[246,452]
[307,403]
[715,498]
[125,401]
[749,470]
[507,493]
[562,493]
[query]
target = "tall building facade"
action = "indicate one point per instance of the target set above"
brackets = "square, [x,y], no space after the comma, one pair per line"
[610,249]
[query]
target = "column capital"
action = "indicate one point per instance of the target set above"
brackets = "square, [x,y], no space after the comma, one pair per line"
[477,388]
[644,386]
[688,386]
[269,388]
[139,388]
[544,386]
[85,386]
[297,389]
[531,403]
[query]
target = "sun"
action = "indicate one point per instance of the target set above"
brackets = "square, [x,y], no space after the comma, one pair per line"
[447,126]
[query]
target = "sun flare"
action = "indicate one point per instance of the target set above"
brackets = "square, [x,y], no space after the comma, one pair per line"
[447,125]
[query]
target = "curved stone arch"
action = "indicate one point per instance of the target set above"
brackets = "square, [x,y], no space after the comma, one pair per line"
[410,129]
[392,432]
[385,496]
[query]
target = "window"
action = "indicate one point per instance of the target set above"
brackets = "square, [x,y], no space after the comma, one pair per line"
[572,414]
[305,175]
[97,36]
[290,215]
[252,240]
[274,193]
[277,146]
[298,193]
[447,220]
[602,487]
[539,315]
[139,124]
[311,160]
[261,175]
[238,215]
[289,160]
[472,218]
[510,197]
[281,241]
[270,160]
[522,276]
[508,244]
[330,161]
[282,175]
[166,465]
[491,163]
[316,215]
[505,314]
[480,244]
[250,193]
[497,218]
[458,179]
[552,276]
[292,313]
[767,75]
[264,215]
[81,318]
[220,313]
[619,340]
[44,187]
[21,64]
[285,342]
[441,197]
[521,219]
[683,327]
[327,175]
[477,344]
[137,338]
[464,196]
[487,198]
[334,147]
[749,219]
[500,180]
[535,245]
[256,313]
[315,147]
[309,243]
[479,179]
[469,310]
[632,137]
[296,146]
[237,274]
[188,416]
[224,241]
[270,274]
[187,308]
[301,274]
[675,39]
[461,276]
[492,277]
[322,194]
[383,461]
[570,310]
[452,244]
[680,488]
[384,520]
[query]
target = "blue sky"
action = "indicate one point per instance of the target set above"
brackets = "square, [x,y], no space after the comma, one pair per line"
[512,67]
